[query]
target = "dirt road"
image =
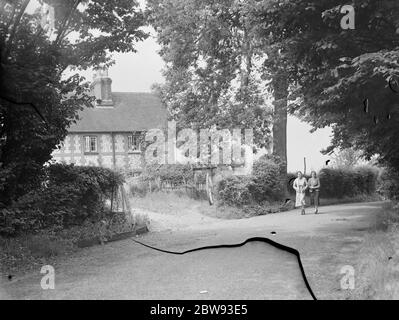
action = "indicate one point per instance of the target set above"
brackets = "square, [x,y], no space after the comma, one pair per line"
[127,270]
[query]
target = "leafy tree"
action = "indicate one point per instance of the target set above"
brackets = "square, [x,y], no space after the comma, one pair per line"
[37,100]
[340,78]
[213,65]
[347,158]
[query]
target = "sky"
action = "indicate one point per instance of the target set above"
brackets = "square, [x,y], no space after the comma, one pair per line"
[137,72]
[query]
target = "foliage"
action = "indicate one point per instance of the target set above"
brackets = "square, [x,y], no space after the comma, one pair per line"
[345,182]
[40,93]
[389,184]
[265,185]
[235,190]
[155,177]
[269,179]
[69,196]
[347,158]
[212,61]
[176,174]
[332,72]
[138,186]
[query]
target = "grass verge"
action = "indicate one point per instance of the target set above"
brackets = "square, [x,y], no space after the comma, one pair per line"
[24,253]
[179,203]
[377,268]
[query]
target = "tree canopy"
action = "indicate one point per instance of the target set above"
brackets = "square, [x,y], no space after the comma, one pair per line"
[37,100]
[213,63]
[346,79]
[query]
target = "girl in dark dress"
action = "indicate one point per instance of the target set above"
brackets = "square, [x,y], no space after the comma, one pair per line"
[314,190]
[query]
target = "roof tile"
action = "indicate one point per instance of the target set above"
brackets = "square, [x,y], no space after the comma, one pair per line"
[132,111]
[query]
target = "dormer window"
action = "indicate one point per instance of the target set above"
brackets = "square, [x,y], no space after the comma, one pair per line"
[133,143]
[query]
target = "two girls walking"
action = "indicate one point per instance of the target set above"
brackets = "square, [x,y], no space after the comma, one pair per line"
[301,185]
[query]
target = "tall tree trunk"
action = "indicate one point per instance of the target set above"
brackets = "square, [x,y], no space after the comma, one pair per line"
[280,88]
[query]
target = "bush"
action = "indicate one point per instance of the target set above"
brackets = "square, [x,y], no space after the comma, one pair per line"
[388,184]
[339,183]
[367,179]
[138,186]
[269,181]
[265,185]
[175,175]
[68,196]
[235,190]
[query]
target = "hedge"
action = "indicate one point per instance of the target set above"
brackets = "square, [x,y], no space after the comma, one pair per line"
[266,184]
[268,179]
[68,196]
[344,182]
[388,184]
[236,190]
[154,176]
[176,174]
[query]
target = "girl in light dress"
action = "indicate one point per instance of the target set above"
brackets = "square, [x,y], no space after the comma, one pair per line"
[300,185]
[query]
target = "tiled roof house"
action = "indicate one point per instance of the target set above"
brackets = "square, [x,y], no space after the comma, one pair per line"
[107,134]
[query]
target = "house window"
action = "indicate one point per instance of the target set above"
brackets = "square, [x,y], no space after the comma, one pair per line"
[91,144]
[133,142]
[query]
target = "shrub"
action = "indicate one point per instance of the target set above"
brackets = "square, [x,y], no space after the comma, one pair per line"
[68,196]
[339,183]
[154,176]
[388,184]
[265,185]
[176,174]
[138,186]
[235,190]
[79,192]
[268,182]
[368,183]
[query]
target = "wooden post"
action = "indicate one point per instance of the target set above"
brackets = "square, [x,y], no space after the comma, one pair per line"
[122,193]
[304,166]
[112,198]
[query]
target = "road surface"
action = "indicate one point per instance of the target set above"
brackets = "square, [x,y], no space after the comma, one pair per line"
[128,270]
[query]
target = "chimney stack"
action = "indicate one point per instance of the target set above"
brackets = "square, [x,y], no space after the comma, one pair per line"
[101,87]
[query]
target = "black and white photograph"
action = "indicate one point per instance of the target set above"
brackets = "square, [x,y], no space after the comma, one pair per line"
[198,155]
